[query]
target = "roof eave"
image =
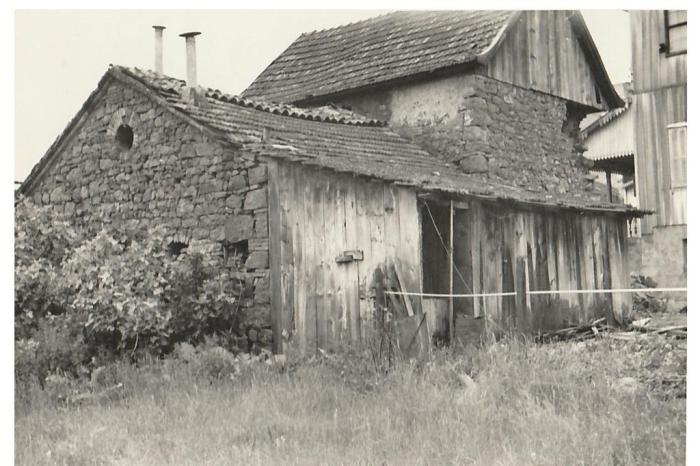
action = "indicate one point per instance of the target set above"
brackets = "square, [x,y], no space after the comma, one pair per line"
[268,151]
[416,77]
[485,55]
[606,86]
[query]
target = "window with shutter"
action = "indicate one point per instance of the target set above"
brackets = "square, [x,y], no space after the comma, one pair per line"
[677,148]
[677,151]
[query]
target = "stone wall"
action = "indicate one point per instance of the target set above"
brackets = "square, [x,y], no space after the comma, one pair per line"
[173,176]
[662,256]
[511,134]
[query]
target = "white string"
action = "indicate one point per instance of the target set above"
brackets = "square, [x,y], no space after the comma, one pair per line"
[447,295]
[621,290]
[478,295]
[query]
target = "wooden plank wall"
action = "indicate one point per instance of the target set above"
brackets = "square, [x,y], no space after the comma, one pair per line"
[517,250]
[315,215]
[653,112]
[660,99]
[541,52]
[650,68]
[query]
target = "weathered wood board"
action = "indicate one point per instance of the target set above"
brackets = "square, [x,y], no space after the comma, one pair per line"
[319,298]
[323,297]
[541,52]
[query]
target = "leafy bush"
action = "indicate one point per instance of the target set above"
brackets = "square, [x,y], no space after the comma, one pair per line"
[42,242]
[80,301]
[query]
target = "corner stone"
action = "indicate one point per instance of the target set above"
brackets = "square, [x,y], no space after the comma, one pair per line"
[255,199]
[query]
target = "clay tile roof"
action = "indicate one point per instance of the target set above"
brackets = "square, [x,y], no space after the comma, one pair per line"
[356,146]
[379,49]
[328,113]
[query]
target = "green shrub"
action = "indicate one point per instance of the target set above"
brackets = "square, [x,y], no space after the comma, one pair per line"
[42,242]
[139,296]
[85,301]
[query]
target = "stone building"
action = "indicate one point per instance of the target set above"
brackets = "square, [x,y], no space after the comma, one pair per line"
[394,135]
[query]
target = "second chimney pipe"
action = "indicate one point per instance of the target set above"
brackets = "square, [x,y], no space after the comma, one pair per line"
[159,48]
[191,57]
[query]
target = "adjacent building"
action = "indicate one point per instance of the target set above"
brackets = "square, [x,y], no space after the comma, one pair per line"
[659,108]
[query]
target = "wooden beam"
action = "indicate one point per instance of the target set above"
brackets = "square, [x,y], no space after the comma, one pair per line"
[608,180]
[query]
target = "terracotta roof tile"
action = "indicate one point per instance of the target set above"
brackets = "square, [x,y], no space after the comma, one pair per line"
[360,148]
[379,49]
[347,143]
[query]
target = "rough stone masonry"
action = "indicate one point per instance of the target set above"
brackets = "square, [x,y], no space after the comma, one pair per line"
[503,132]
[173,176]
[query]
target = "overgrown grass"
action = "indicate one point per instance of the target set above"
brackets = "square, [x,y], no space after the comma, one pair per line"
[559,404]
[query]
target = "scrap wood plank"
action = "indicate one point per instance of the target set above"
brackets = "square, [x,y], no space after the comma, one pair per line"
[392,285]
[412,336]
[402,289]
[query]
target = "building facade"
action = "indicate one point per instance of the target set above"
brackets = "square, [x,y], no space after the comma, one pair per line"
[660,86]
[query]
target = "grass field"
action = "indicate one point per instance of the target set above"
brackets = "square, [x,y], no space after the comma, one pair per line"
[599,402]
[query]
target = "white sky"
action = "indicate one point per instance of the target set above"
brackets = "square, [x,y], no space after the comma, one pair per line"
[61,55]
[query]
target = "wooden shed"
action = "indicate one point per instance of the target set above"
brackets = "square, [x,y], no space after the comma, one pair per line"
[335,233]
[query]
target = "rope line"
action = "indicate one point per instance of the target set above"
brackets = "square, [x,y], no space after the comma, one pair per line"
[478,295]
[447,295]
[620,290]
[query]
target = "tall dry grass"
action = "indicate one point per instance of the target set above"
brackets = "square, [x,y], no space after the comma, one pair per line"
[557,404]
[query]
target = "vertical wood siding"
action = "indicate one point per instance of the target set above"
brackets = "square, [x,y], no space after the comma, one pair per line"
[660,99]
[653,112]
[538,250]
[541,52]
[315,216]
[652,69]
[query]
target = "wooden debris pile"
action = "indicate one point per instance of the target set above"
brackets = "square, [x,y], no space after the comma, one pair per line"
[597,327]
[575,333]
[643,325]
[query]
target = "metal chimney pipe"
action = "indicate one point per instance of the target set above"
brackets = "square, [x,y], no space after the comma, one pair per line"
[159,48]
[191,57]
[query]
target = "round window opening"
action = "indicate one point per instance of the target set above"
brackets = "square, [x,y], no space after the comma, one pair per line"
[125,137]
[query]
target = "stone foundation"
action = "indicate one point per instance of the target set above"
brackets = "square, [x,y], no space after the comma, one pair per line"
[662,256]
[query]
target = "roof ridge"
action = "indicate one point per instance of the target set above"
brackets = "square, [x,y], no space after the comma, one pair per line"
[353,23]
[397,13]
[323,114]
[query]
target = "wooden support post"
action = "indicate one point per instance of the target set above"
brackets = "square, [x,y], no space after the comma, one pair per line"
[608,180]
[452,265]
